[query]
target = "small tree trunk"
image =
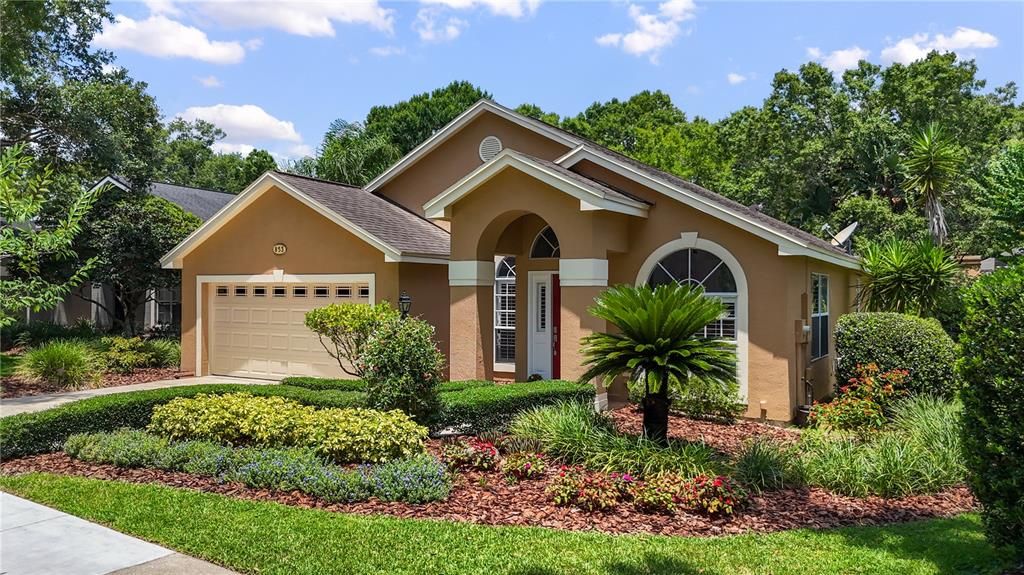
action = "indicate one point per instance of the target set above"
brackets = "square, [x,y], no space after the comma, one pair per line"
[656,416]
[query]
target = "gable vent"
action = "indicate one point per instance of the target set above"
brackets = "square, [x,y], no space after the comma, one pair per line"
[489,147]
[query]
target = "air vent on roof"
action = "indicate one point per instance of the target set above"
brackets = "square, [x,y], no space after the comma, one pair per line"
[489,147]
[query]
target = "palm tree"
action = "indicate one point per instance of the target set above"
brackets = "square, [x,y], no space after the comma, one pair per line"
[904,277]
[351,155]
[660,345]
[931,167]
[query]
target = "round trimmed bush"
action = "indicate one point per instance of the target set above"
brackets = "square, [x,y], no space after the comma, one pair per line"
[66,364]
[897,341]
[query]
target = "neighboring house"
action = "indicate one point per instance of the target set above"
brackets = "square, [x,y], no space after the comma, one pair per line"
[503,230]
[164,307]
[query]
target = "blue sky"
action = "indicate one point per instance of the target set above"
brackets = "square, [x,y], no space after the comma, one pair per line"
[274,74]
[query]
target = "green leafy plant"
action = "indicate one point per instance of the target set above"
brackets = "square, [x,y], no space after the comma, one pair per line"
[402,367]
[126,354]
[473,453]
[523,465]
[765,465]
[904,277]
[344,329]
[589,492]
[129,448]
[714,496]
[992,342]
[476,409]
[164,352]
[64,364]
[659,345]
[417,479]
[931,168]
[658,494]
[862,401]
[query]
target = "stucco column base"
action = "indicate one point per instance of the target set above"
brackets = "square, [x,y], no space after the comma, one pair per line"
[467,345]
[577,323]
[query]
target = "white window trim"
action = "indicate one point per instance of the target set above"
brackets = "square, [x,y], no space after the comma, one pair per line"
[827,314]
[689,240]
[498,365]
[278,277]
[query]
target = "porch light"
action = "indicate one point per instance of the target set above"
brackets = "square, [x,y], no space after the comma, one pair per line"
[404,304]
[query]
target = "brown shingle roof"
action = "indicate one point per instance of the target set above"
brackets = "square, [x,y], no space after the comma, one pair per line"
[597,187]
[395,226]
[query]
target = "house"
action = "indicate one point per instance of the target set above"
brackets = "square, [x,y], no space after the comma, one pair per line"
[503,230]
[164,306]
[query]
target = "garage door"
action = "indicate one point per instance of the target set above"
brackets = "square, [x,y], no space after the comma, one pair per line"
[258,330]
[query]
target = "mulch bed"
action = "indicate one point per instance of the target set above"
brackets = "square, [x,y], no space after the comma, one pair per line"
[18,387]
[485,498]
[725,437]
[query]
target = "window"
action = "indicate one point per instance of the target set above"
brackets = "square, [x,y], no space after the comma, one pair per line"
[542,308]
[222,291]
[280,291]
[241,291]
[505,311]
[364,291]
[704,269]
[545,245]
[259,291]
[819,316]
[343,291]
[168,306]
[299,291]
[321,291]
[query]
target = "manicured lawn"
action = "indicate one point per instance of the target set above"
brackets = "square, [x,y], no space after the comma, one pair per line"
[267,538]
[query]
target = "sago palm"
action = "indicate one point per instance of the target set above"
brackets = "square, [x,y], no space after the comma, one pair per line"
[931,168]
[659,345]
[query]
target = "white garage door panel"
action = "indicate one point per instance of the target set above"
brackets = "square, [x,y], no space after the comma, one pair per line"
[264,336]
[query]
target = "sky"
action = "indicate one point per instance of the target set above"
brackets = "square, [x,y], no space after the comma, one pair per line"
[275,74]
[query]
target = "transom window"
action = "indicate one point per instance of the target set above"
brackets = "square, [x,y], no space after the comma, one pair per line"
[241,291]
[699,268]
[343,291]
[819,316]
[321,291]
[280,291]
[299,291]
[545,245]
[222,291]
[505,311]
[259,291]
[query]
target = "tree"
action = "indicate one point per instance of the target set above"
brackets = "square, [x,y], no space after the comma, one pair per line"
[351,156]
[407,124]
[189,159]
[658,345]
[25,242]
[347,327]
[1004,194]
[615,124]
[932,167]
[905,277]
[129,242]
[534,111]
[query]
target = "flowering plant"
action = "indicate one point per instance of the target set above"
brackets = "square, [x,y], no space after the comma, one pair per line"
[860,404]
[713,496]
[623,482]
[470,454]
[588,492]
[523,465]
[658,494]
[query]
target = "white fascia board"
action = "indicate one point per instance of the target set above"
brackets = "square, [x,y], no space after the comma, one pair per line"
[173,259]
[457,124]
[787,245]
[109,180]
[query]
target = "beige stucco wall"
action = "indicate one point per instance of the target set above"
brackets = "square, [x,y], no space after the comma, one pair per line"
[427,285]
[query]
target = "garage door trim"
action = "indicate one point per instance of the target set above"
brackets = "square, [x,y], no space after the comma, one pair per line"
[278,277]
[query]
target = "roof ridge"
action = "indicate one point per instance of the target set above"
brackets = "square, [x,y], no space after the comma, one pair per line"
[151,182]
[316,179]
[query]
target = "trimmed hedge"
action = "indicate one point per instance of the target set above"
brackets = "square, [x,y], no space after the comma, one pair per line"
[480,408]
[44,431]
[323,384]
[897,341]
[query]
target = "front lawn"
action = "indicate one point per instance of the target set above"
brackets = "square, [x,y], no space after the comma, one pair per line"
[267,538]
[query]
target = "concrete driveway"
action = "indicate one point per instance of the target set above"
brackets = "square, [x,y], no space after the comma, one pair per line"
[32,403]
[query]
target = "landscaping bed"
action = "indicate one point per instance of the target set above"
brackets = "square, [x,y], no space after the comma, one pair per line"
[726,437]
[14,386]
[484,497]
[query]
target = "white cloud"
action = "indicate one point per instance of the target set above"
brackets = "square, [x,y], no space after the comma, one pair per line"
[916,47]
[210,81]
[109,68]
[229,148]
[510,8]
[245,123]
[298,17]
[735,78]
[653,31]
[254,43]
[164,38]
[163,7]
[386,51]
[299,151]
[839,61]
[430,28]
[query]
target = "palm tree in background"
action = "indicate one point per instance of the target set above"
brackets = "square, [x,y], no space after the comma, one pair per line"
[931,167]
[660,346]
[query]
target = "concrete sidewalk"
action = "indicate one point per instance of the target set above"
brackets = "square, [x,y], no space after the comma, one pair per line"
[33,403]
[38,540]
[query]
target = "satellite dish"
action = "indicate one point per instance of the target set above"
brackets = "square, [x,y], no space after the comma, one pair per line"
[842,239]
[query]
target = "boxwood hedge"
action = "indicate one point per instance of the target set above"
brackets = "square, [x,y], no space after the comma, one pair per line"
[323,383]
[479,408]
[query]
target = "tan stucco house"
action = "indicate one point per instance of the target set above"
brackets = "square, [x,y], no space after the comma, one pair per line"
[503,229]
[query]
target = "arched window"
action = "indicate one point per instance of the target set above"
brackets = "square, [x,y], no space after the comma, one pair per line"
[505,311]
[545,245]
[699,268]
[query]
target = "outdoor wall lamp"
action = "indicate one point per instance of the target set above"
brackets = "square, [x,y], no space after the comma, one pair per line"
[404,304]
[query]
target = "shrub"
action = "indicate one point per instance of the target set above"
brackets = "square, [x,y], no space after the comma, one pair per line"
[992,341]
[710,400]
[62,363]
[480,408]
[128,448]
[587,491]
[417,479]
[472,453]
[402,366]
[324,384]
[714,496]
[125,355]
[39,332]
[337,485]
[765,465]
[575,434]
[344,435]
[267,468]
[344,329]
[897,341]
[164,352]
[847,413]
[523,465]
[658,494]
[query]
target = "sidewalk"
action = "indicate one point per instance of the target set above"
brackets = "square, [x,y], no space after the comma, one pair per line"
[32,403]
[38,540]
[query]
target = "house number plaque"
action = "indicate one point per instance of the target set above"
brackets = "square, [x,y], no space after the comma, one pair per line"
[280,249]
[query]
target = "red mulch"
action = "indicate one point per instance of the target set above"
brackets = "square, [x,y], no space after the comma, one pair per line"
[485,498]
[18,387]
[725,437]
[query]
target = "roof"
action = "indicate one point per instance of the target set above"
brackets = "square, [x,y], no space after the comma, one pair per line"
[199,202]
[392,224]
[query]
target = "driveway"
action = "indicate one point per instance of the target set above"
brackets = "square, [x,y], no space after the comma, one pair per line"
[33,403]
[38,540]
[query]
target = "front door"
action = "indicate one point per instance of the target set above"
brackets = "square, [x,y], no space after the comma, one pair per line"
[542,337]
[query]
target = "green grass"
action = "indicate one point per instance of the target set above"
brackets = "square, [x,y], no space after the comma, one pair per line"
[267,538]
